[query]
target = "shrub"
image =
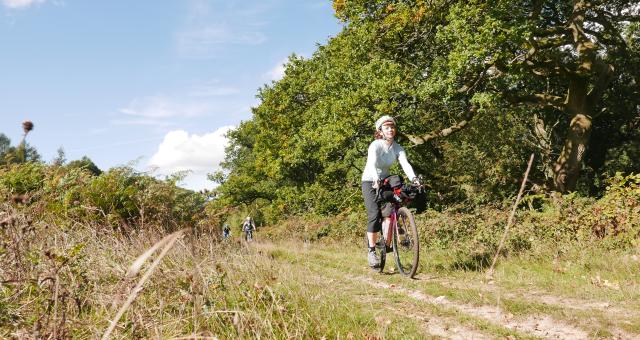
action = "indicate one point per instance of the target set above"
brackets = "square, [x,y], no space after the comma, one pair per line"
[22,178]
[120,198]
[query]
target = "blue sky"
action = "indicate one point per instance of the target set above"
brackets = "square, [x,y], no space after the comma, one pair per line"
[156,82]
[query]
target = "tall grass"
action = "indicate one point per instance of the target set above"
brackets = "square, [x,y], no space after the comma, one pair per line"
[72,283]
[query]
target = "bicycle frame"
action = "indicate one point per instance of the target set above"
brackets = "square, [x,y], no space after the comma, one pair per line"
[393,224]
[400,236]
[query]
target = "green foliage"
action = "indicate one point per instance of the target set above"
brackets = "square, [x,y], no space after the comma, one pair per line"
[544,225]
[435,64]
[22,178]
[121,197]
[85,163]
[16,154]
[616,217]
[347,226]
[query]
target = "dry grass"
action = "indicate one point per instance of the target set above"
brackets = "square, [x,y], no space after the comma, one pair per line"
[73,283]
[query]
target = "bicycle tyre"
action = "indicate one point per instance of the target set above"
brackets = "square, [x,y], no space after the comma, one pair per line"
[406,247]
[381,248]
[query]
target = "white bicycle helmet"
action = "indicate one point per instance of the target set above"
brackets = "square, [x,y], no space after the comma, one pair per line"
[383,120]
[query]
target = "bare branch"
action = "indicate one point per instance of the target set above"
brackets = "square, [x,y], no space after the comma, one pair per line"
[538,99]
[605,76]
[547,68]
[417,140]
[558,30]
[628,18]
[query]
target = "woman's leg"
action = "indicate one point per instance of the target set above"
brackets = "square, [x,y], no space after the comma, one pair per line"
[373,212]
[386,227]
[372,237]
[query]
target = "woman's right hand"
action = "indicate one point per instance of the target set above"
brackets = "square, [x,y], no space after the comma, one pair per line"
[376,184]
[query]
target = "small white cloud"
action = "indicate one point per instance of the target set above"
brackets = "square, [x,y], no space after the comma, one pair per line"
[159,107]
[214,91]
[141,122]
[212,27]
[18,4]
[201,154]
[206,41]
[277,72]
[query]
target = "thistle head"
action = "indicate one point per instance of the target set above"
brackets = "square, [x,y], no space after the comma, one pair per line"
[27,126]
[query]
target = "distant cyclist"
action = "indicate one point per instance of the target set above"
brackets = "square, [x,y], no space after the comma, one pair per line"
[383,153]
[226,231]
[248,227]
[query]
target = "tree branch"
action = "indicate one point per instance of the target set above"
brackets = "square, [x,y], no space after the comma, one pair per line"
[538,99]
[605,76]
[552,31]
[547,68]
[417,140]
[609,28]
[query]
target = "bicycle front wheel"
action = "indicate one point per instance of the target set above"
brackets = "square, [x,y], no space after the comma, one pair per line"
[406,246]
[381,249]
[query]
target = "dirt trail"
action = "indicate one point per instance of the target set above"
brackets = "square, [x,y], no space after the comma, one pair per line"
[446,328]
[541,326]
[542,297]
[573,325]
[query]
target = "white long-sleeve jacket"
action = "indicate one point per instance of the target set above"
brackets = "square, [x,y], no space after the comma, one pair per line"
[381,157]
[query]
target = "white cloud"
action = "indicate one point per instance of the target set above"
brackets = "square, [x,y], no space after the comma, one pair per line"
[160,107]
[277,72]
[213,91]
[206,41]
[18,4]
[204,101]
[141,122]
[209,30]
[181,151]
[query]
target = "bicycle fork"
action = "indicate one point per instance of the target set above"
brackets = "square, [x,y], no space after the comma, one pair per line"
[386,229]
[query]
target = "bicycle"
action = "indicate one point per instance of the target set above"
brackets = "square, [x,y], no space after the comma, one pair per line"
[404,232]
[248,235]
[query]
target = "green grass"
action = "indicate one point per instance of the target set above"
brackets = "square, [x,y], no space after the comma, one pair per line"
[336,262]
[514,276]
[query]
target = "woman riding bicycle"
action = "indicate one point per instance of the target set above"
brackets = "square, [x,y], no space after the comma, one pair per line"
[383,153]
[248,227]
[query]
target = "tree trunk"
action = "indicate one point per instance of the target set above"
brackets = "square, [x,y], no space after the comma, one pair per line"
[568,166]
[542,131]
[580,102]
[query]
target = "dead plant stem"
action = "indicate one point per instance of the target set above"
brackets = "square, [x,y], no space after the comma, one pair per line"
[511,216]
[136,290]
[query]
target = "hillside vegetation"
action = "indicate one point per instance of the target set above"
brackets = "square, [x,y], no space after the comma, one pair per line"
[476,87]
[68,237]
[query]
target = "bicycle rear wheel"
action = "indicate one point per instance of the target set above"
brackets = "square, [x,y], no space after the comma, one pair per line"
[406,246]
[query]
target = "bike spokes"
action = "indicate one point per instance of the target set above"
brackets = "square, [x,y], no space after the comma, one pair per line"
[406,244]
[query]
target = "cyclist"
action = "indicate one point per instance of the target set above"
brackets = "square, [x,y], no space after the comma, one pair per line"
[383,153]
[248,226]
[226,231]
